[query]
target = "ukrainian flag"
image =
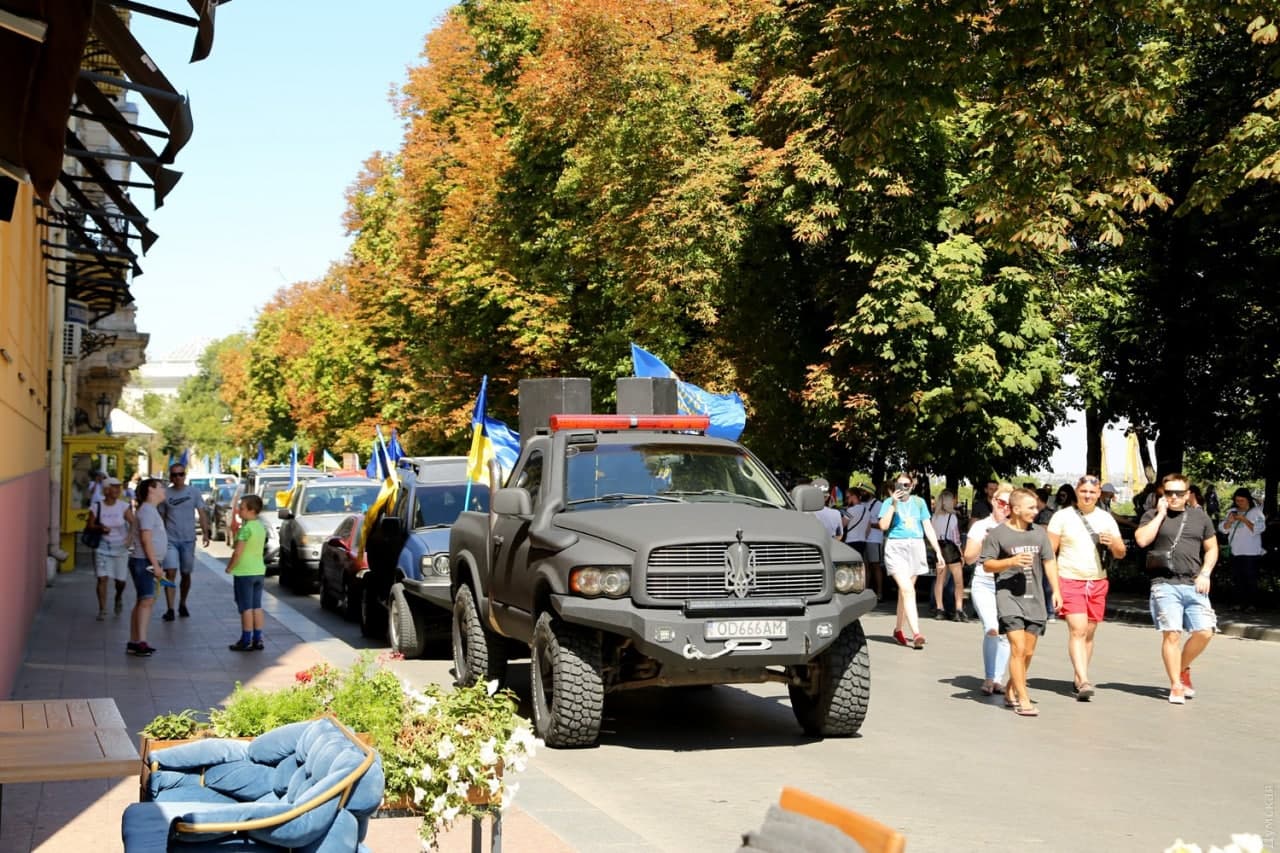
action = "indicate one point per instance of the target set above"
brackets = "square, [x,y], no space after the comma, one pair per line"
[387,494]
[490,439]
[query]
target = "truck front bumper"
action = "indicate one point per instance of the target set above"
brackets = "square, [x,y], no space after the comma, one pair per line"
[678,639]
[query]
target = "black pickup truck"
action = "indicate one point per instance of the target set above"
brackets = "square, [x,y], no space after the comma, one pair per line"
[636,551]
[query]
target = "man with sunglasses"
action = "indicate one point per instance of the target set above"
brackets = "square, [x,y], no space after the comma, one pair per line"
[180,509]
[1086,539]
[1183,552]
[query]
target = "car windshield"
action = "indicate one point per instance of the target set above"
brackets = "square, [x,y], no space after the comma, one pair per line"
[225,493]
[339,497]
[622,474]
[436,506]
[267,490]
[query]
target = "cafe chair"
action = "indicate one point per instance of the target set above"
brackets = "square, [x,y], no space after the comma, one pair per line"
[870,834]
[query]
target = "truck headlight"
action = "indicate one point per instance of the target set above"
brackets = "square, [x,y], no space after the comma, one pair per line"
[437,564]
[313,538]
[594,581]
[851,577]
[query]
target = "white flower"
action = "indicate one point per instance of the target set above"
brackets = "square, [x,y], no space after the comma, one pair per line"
[1247,842]
[453,772]
[450,813]
[516,763]
[489,752]
[492,687]
[522,740]
[408,771]
[1180,846]
[425,773]
[445,749]
[509,795]
[439,803]
[462,730]
[494,784]
[419,794]
[461,789]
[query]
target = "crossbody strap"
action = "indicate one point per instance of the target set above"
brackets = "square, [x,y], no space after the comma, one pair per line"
[1097,558]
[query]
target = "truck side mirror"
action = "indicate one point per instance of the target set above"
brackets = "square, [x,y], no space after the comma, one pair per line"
[513,501]
[807,498]
[284,514]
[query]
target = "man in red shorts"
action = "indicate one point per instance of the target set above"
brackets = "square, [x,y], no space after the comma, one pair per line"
[1087,540]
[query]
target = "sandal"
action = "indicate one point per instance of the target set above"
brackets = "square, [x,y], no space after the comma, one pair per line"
[1027,711]
[1084,692]
[917,642]
[988,688]
[1010,702]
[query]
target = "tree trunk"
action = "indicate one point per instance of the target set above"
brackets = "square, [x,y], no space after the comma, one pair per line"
[1144,454]
[877,471]
[1093,440]
[953,482]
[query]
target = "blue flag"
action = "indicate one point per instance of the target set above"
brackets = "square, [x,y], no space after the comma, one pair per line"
[217,462]
[394,451]
[293,467]
[186,454]
[490,439]
[727,412]
[259,459]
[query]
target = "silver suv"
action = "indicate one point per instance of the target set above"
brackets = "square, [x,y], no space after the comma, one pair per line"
[315,510]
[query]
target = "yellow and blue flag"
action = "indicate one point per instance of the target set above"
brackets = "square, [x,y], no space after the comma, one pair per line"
[386,494]
[727,412]
[328,463]
[490,439]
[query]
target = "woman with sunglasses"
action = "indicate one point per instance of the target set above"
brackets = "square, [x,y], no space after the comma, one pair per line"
[982,592]
[904,518]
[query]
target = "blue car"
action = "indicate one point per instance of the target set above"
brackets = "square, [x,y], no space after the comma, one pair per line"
[406,590]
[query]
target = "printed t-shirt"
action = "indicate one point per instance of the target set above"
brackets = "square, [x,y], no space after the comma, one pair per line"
[908,518]
[180,512]
[253,533]
[1019,591]
[1078,557]
[1188,555]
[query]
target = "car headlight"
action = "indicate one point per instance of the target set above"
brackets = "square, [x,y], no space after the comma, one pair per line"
[437,564]
[594,581]
[313,538]
[851,577]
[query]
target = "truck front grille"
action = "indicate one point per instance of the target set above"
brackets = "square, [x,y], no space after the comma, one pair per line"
[782,569]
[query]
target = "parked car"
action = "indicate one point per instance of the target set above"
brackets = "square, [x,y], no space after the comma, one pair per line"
[409,541]
[221,505]
[208,483]
[316,508]
[266,483]
[343,567]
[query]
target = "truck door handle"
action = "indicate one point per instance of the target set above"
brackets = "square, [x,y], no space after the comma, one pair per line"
[497,539]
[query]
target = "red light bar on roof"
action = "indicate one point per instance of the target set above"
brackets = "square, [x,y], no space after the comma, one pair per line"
[673,422]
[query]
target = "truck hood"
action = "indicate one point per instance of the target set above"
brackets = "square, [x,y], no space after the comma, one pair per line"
[434,540]
[649,525]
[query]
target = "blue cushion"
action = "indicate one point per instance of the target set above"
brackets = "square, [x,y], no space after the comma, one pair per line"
[164,780]
[323,752]
[193,794]
[299,782]
[145,828]
[342,837]
[242,780]
[315,729]
[304,829]
[366,796]
[199,813]
[272,747]
[200,753]
[283,773]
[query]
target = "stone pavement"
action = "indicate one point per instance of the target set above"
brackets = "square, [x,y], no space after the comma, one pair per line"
[70,655]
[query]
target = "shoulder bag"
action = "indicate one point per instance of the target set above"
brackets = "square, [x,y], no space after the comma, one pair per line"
[91,536]
[1104,556]
[950,550]
[1161,562]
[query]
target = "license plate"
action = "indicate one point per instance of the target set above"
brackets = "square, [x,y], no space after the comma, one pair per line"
[746,629]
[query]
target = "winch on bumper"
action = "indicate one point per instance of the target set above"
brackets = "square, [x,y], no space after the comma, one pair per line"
[731,633]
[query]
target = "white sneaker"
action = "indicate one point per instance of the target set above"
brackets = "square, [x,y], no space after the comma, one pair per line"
[1177,698]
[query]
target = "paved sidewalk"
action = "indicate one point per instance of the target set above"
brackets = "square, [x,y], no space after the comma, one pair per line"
[70,655]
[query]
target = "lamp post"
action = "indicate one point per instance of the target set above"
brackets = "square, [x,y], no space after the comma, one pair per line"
[104,411]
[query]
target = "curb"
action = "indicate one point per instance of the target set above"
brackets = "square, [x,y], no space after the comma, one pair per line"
[1226,627]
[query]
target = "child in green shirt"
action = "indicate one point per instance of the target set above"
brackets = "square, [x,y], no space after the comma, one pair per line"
[248,570]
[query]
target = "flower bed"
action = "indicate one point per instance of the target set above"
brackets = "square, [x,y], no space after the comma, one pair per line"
[446,753]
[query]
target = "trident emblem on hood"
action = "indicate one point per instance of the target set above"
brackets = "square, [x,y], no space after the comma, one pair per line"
[739,568]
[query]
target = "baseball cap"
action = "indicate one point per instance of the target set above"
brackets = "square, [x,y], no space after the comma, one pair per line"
[113,481]
[1107,487]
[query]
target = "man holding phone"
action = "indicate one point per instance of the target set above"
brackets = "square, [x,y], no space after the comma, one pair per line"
[1086,539]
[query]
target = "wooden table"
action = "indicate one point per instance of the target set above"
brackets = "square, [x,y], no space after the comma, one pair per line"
[64,740]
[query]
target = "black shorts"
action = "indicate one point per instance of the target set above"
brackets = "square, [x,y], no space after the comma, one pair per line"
[1020,623]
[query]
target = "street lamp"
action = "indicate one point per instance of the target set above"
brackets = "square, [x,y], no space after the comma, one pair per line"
[104,410]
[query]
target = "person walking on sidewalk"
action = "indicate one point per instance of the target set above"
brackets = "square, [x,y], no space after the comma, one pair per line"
[1086,539]
[1018,553]
[182,506]
[982,592]
[148,543]
[112,517]
[1244,525]
[1183,552]
[946,524]
[248,571]
[904,519]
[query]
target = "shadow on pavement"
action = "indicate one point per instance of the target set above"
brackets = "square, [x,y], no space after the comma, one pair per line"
[970,687]
[1147,690]
[1054,685]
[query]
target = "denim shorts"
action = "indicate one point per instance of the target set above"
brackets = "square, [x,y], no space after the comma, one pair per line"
[248,591]
[181,556]
[143,580]
[1178,607]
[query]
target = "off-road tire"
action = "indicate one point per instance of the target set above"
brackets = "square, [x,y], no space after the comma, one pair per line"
[373,616]
[566,684]
[403,628]
[834,701]
[478,654]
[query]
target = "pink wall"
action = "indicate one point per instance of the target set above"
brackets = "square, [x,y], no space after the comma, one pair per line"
[24,513]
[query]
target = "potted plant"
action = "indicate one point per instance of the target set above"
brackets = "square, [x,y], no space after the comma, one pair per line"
[446,753]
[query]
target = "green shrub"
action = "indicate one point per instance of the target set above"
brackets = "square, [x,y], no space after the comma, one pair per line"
[251,711]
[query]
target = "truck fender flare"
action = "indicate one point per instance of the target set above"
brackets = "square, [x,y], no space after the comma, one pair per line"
[464,572]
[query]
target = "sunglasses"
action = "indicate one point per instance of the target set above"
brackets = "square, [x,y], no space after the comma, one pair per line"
[177,473]
[1091,480]
[1175,493]
[1002,501]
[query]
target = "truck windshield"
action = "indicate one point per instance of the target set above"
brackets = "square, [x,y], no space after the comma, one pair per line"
[622,474]
[438,506]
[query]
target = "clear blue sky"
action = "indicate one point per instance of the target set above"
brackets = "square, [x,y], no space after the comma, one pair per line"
[293,99]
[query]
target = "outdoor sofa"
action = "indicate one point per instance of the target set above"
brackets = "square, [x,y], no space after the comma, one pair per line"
[309,786]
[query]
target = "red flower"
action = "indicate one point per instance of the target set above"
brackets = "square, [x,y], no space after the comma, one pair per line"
[302,676]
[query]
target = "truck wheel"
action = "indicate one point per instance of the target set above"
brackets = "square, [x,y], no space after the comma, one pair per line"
[565,680]
[478,654]
[833,702]
[402,625]
[373,616]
